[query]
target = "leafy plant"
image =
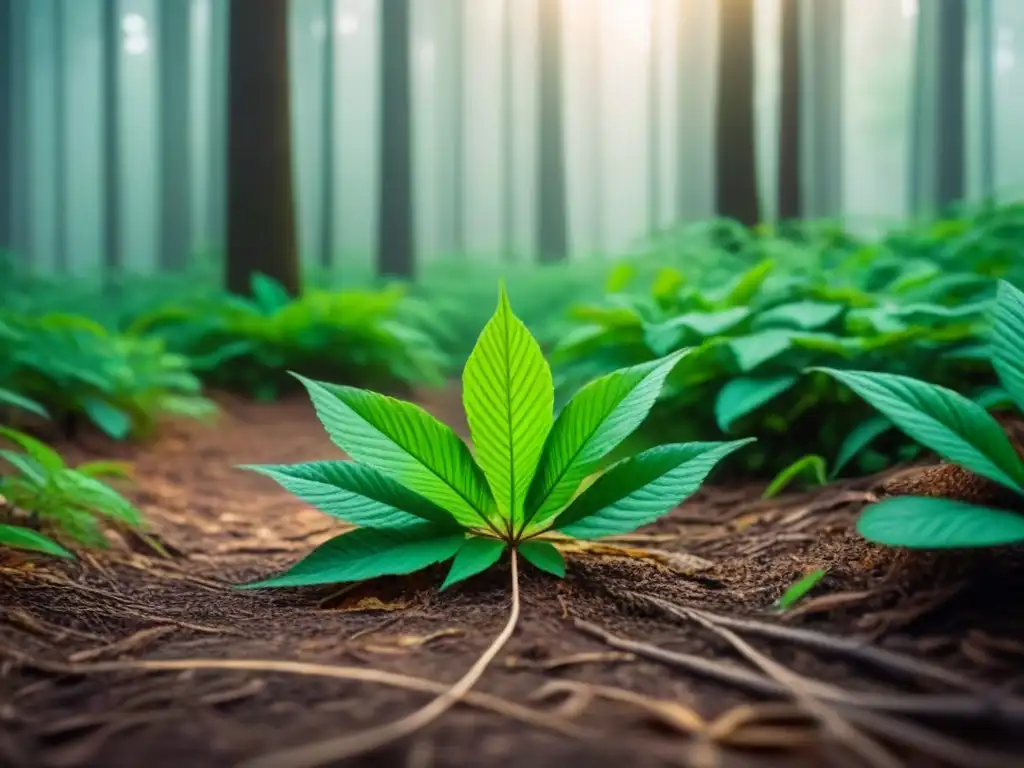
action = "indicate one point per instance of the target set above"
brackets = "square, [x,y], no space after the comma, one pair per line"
[71,501]
[809,298]
[811,466]
[418,496]
[960,431]
[67,366]
[247,344]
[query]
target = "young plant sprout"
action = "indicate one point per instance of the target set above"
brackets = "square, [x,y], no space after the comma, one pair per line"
[418,496]
[960,431]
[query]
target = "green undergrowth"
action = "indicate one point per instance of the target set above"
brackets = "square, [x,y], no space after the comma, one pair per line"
[759,307]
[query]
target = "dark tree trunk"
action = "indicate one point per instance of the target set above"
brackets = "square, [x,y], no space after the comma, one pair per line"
[327,136]
[790,202]
[552,237]
[735,159]
[6,129]
[950,145]
[396,232]
[110,45]
[261,217]
[175,126]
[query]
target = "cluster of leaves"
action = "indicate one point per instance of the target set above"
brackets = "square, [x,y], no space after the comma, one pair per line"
[67,366]
[816,297]
[418,496]
[959,430]
[36,484]
[246,344]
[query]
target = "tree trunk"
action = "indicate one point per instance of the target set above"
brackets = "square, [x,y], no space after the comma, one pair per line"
[261,217]
[654,121]
[507,136]
[110,47]
[735,159]
[175,126]
[790,202]
[950,149]
[552,237]
[396,234]
[6,129]
[987,88]
[327,84]
[60,119]
[457,223]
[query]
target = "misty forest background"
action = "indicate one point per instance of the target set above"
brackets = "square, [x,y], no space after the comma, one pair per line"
[363,137]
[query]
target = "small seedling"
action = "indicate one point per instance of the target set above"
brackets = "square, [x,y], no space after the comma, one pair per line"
[71,500]
[810,467]
[959,430]
[418,496]
[798,590]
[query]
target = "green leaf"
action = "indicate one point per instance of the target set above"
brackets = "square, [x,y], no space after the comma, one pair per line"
[662,338]
[807,465]
[94,495]
[919,522]
[13,399]
[367,553]
[44,455]
[597,419]
[509,399]
[747,285]
[112,420]
[121,469]
[16,537]
[355,493]
[745,395]
[1008,340]
[269,294]
[638,490]
[543,555]
[798,590]
[754,350]
[475,556]
[27,466]
[942,420]
[405,442]
[858,439]
[805,315]
[992,398]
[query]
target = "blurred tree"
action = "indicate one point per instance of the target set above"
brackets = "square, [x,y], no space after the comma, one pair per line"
[735,159]
[654,120]
[396,231]
[327,105]
[173,46]
[790,203]
[938,146]
[507,137]
[111,44]
[552,235]
[261,216]
[6,130]
[987,88]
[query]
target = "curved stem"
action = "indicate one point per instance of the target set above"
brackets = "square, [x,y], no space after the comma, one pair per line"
[333,750]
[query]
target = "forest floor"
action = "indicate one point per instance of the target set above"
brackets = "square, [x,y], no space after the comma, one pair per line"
[662,649]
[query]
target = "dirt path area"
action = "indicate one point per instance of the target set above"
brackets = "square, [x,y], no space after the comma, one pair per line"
[128,658]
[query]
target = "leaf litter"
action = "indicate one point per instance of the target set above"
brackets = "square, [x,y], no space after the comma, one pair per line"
[248,673]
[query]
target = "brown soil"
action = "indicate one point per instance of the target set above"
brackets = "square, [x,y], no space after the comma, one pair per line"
[924,654]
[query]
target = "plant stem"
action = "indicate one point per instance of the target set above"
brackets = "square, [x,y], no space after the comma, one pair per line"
[334,750]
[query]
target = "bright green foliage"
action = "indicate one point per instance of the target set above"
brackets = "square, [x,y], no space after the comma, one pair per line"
[927,523]
[476,555]
[67,366]
[800,589]
[509,399]
[35,481]
[543,555]
[757,308]
[379,336]
[811,465]
[418,496]
[959,430]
